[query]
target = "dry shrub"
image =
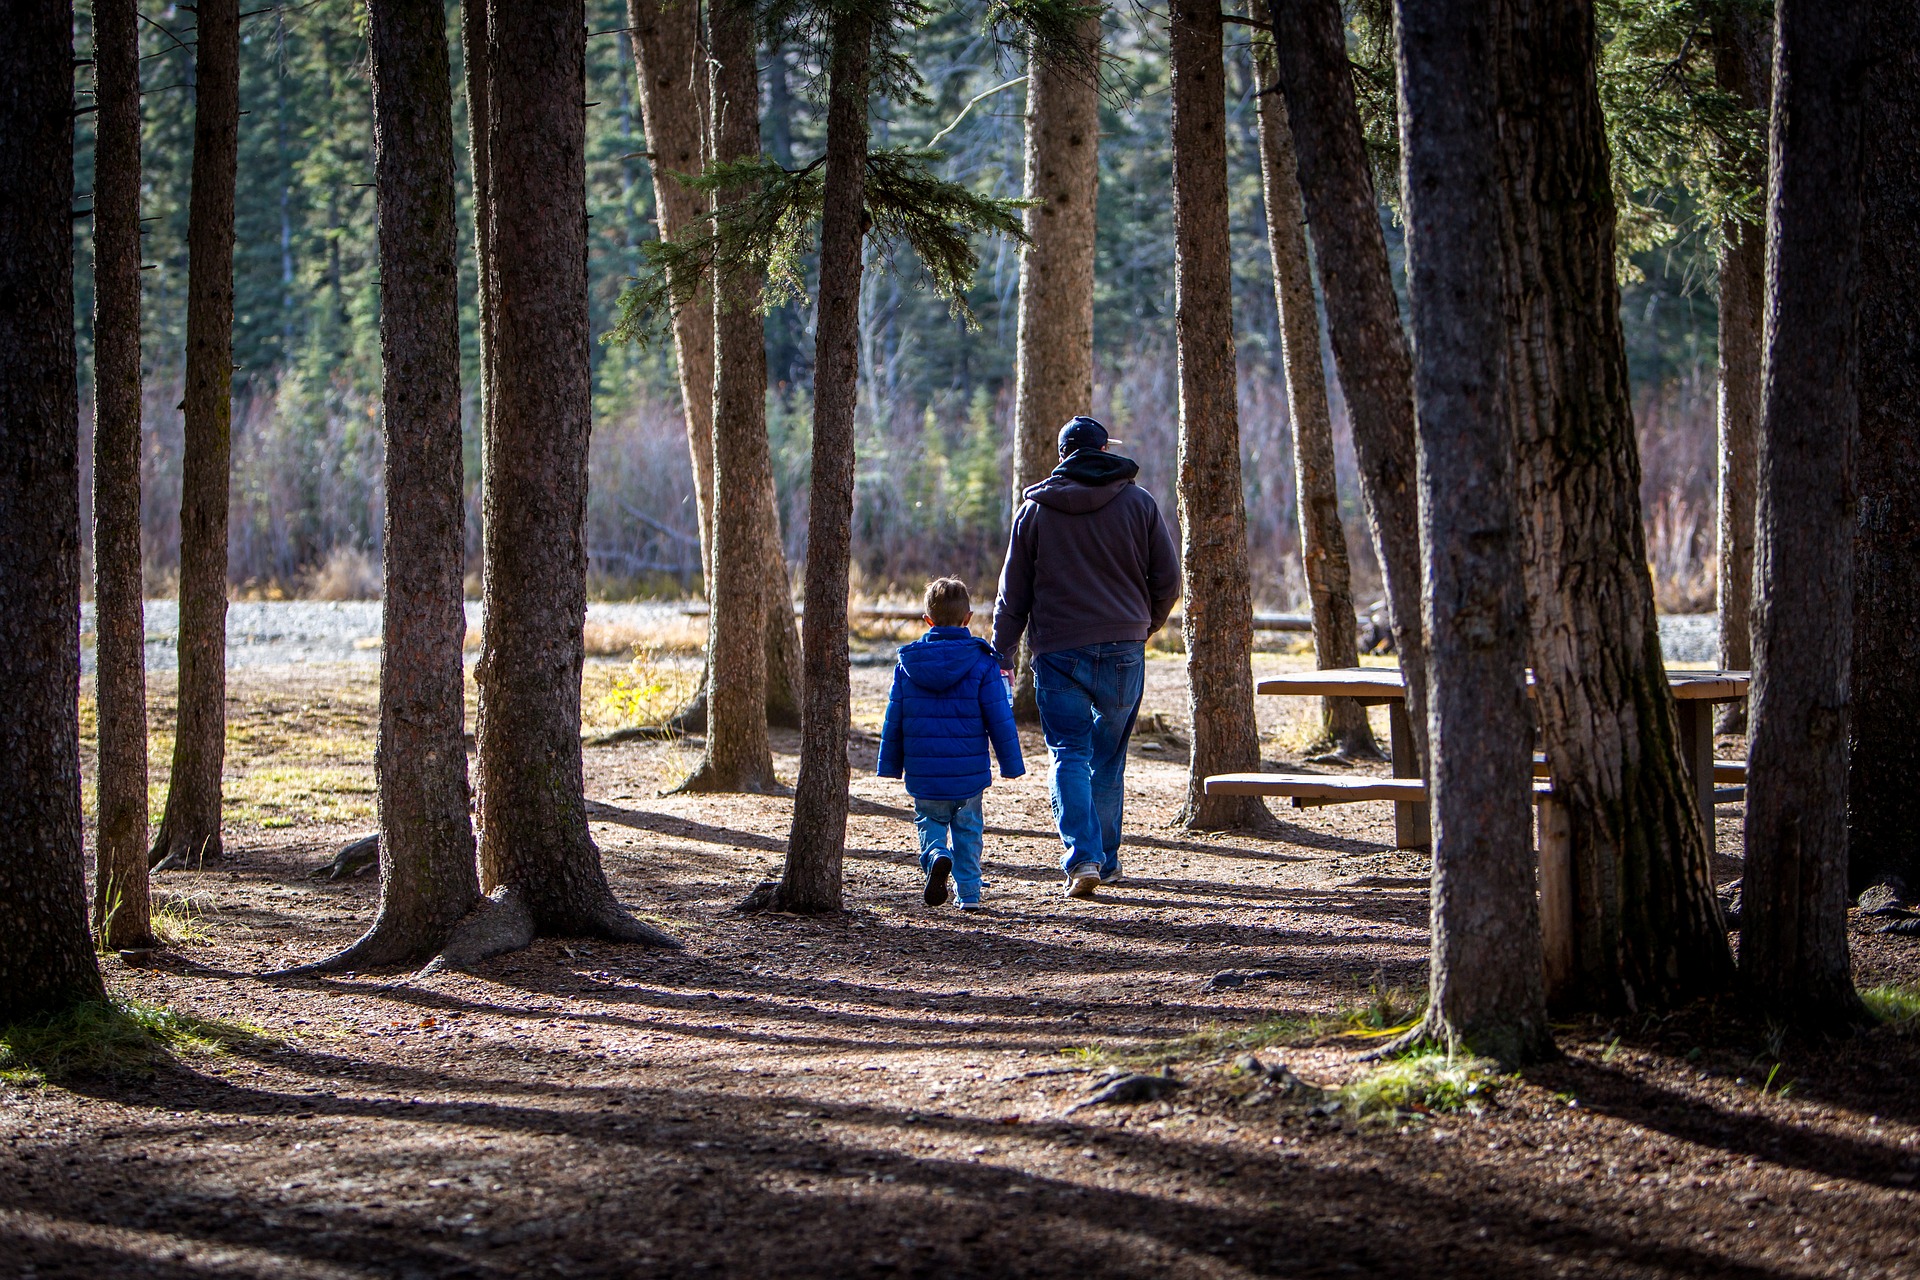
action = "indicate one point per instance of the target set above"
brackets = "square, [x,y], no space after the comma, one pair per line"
[348,573]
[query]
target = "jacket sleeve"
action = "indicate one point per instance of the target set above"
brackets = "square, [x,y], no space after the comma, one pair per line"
[998,713]
[1015,602]
[1163,570]
[893,750]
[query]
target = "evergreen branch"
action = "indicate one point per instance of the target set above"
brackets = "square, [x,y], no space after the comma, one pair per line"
[1049,31]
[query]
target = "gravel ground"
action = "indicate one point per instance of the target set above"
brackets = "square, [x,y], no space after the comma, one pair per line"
[265,633]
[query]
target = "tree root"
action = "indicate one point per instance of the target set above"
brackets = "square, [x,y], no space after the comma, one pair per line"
[354,858]
[169,854]
[504,921]
[703,782]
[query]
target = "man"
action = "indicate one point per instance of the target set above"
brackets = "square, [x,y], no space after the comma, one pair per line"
[1091,572]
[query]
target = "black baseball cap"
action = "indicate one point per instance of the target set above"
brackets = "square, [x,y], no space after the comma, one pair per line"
[1083,433]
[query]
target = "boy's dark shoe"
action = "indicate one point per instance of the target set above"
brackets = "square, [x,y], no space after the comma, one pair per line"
[937,880]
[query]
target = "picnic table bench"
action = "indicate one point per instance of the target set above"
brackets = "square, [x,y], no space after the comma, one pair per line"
[1697,693]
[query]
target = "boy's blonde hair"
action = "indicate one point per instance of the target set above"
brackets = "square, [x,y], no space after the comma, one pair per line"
[948,602]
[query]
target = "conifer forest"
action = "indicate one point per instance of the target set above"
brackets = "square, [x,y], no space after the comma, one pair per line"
[1026,638]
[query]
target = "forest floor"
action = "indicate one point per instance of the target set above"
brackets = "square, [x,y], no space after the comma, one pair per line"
[892,1091]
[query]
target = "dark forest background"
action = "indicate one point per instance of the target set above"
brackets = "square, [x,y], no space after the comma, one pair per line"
[935,442]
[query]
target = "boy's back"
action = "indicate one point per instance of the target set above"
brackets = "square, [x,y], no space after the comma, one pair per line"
[947,702]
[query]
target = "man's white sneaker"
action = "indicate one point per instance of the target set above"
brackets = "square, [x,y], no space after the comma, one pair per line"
[1082,881]
[1111,877]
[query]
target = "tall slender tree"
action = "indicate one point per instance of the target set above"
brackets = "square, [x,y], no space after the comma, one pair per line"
[1742,53]
[1793,942]
[1487,984]
[1646,928]
[190,824]
[1053,364]
[1363,316]
[537,858]
[1218,608]
[46,955]
[1883,806]
[1323,540]
[816,843]
[428,881]
[473,50]
[737,755]
[121,909]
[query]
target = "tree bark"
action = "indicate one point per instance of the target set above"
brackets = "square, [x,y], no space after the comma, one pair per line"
[1323,541]
[46,956]
[473,42]
[536,854]
[427,877]
[816,843]
[1883,805]
[122,912]
[1218,607]
[737,755]
[1646,931]
[1488,989]
[1793,942]
[1363,316]
[190,825]
[1053,364]
[1741,53]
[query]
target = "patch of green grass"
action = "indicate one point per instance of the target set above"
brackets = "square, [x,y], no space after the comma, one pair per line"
[1387,1011]
[1222,1041]
[287,795]
[177,923]
[1897,1006]
[1427,1082]
[112,1038]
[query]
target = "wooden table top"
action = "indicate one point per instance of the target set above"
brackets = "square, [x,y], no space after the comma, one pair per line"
[1382,684]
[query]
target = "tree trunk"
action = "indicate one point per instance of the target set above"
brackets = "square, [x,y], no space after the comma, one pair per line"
[1488,989]
[737,756]
[1883,817]
[121,910]
[190,826]
[1218,608]
[1740,58]
[427,876]
[46,955]
[1646,927]
[1053,366]
[537,858]
[1363,316]
[673,108]
[1323,542]
[816,845]
[1793,942]
[473,42]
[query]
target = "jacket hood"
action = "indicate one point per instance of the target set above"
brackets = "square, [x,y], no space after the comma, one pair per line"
[1085,481]
[939,661]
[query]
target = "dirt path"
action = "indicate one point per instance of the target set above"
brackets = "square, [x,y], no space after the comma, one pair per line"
[887,1093]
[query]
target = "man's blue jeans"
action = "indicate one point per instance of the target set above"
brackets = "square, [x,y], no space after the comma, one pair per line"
[962,821]
[1088,700]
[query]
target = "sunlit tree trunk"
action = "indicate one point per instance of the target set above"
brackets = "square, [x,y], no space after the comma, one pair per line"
[1323,540]
[1218,607]
[46,955]
[121,911]
[1883,816]
[1053,367]
[1363,316]
[1488,993]
[737,755]
[1646,928]
[190,826]
[1793,943]
[1742,51]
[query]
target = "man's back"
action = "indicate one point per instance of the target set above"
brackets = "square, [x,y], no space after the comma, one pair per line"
[1090,560]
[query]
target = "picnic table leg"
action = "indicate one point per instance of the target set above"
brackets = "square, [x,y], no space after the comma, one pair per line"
[1696,752]
[1412,823]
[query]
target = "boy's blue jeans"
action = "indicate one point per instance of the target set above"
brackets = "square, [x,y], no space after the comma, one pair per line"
[952,827]
[1088,700]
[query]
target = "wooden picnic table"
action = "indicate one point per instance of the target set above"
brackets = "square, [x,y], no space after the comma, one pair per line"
[1697,693]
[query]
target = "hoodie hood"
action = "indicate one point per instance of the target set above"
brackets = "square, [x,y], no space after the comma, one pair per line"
[940,660]
[1085,481]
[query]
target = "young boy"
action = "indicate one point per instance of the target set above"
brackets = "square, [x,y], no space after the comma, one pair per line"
[948,699]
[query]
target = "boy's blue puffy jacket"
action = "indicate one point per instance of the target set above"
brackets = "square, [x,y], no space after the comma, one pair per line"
[947,700]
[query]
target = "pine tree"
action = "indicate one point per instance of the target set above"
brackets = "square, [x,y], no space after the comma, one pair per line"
[1793,941]
[190,826]
[46,956]
[121,909]
[1487,988]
